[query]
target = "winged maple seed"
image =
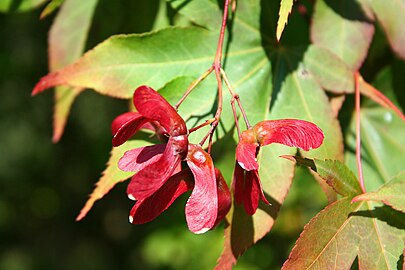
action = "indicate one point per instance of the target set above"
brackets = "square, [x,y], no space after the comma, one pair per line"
[159,181]
[291,132]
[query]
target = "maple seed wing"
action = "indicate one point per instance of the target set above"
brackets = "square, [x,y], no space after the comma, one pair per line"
[224,197]
[246,151]
[251,193]
[152,105]
[149,208]
[238,183]
[125,126]
[151,178]
[290,132]
[202,206]
[136,159]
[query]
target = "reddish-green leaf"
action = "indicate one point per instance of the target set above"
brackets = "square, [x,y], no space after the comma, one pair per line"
[344,27]
[285,10]
[329,70]
[342,231]
[111,176]
[392,193]
[67,38]
[334,172]
[391,15]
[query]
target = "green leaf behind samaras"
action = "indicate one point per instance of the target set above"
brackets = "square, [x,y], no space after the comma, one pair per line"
[335,173]
[392,193]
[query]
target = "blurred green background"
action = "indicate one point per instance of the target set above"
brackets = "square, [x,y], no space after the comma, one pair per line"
[44,185]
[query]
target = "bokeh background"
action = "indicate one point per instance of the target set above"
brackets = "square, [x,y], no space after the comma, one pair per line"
[44,185]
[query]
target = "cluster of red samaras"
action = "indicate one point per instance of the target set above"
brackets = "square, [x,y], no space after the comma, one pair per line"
[160,178]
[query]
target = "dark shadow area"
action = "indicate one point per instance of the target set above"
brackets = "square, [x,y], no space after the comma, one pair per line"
[289,52]
[398,82]
[242,232]
[348,9]
[121,17]
[386,214]
[14,5]
[272,209]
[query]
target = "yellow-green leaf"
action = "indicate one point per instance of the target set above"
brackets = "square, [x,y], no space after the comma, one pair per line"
[285,10]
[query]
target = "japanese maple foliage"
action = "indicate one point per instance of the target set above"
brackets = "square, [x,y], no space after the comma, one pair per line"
[158,180]
[300,81]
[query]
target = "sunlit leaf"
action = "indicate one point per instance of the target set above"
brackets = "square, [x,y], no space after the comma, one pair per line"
[19,6]
[334,172]
[391,15]
[344,27]
[285,10]
[392,194]
[111,176]
[67,38]
[342,231]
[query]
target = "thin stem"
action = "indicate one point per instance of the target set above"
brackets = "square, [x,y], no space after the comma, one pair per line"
[206,123]
[193,85]
[217,69]
[358,132]
[235,117]
[235,96]
[218,55]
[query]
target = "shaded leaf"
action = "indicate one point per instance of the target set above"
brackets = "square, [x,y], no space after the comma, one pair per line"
[19,6]
[204,13]
[67,38]
[285,10]
[344,27]
[334,172]
[391,15]
[372,232]
[51,7]
[392,194]
[111,176]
